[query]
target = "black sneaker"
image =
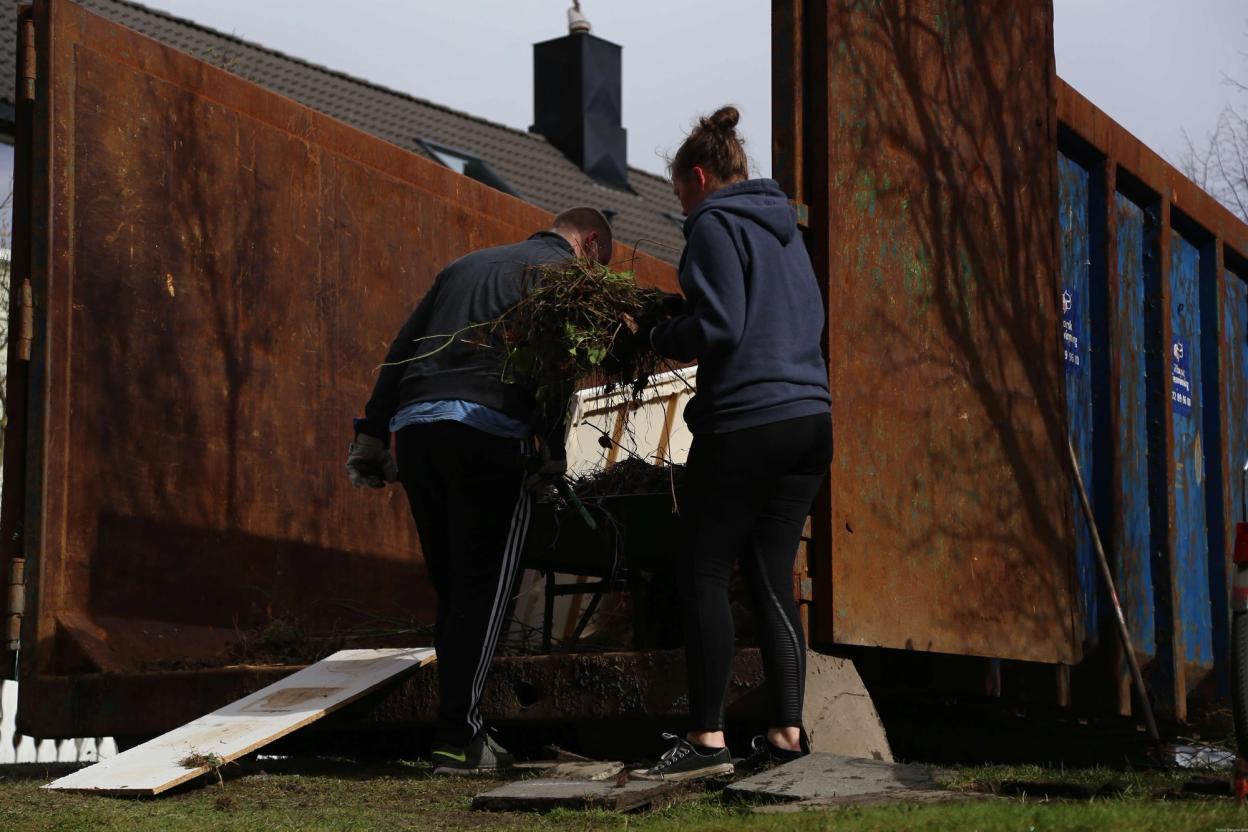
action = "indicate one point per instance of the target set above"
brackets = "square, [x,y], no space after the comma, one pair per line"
[767,754]
[683,762]
[481,756]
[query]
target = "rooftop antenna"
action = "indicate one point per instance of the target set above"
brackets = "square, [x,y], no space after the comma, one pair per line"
[578,23]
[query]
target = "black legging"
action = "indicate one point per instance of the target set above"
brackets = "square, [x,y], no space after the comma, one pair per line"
[748,495]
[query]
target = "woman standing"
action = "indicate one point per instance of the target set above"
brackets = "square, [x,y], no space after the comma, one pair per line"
[762,434]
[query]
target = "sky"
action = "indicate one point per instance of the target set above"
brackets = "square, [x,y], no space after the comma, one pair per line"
[1154,65]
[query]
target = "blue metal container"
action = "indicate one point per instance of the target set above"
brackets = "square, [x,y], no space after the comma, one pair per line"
[1154,334]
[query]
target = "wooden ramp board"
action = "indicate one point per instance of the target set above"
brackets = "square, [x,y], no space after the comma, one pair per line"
[824,776]
[238,729]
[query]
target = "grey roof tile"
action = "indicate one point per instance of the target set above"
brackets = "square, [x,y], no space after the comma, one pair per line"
[534,168]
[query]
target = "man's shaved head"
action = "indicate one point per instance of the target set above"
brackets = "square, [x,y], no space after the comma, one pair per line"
[587,230]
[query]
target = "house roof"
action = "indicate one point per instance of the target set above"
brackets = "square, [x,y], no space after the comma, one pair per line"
[538,171]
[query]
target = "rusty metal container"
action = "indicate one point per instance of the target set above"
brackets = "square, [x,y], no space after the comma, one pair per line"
[1005,268]
[206,273]
[214,272]
[922,137]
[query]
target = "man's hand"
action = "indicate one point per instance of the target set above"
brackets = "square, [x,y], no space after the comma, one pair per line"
[544,471]
[673,305]
[668,307]
[369,462]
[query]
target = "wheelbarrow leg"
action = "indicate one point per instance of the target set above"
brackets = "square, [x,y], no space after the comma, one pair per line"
[548,620]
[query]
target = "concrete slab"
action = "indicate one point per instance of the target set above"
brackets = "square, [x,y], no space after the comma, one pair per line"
[908,796]
[546,794]
[824,776]
[839,714]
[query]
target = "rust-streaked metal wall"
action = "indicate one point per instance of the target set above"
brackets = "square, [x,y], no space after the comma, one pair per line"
[216,272]
[922,136]
[1007,268]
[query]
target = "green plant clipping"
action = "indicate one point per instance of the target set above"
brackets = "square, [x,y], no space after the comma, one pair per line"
[571,326]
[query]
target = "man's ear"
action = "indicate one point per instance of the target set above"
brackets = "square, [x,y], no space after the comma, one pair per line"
[589,245]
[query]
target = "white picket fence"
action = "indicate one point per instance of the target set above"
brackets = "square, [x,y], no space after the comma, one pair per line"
[15,748]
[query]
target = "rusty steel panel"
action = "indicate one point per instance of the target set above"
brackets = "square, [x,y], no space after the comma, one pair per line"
[219,273]
[952,526]
[20,326]
[537,689]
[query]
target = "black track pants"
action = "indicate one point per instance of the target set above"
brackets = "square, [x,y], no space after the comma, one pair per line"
[747,497]
[466,490]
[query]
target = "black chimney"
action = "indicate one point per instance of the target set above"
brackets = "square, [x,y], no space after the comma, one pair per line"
[576,102]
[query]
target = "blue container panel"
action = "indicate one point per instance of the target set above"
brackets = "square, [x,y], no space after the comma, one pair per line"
[1235,327]
[1191,556]
[1216,469]
[1132,549]
[1074,194]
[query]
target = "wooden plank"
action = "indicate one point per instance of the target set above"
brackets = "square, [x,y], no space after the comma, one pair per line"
[250,723]
[593,771]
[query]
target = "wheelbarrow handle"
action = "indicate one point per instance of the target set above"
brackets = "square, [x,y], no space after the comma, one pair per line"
[570,496]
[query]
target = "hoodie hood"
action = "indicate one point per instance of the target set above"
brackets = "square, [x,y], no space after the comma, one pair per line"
[759,201]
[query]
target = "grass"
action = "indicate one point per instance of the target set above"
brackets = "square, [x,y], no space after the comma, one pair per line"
[1092,781]
[308,794]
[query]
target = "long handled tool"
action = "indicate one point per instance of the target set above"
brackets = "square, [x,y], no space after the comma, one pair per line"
[1108,577]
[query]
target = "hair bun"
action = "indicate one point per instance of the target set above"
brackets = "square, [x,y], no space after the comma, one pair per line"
[725,119]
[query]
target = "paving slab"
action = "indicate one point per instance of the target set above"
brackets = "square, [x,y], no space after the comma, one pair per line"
[889,798]
[825,776]
[545,794]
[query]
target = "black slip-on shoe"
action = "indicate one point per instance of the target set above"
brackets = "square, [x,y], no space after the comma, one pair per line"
[767,754]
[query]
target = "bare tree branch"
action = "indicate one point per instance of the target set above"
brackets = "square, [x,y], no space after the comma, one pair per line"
[1221,168]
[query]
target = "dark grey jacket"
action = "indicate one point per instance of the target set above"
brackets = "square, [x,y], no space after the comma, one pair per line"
[476,288]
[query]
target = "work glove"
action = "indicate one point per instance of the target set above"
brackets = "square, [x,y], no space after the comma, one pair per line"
[369,462]
[672,305]
[667,307]
[544,471]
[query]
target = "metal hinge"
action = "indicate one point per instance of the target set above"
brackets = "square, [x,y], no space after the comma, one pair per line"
[26,329]
[29,59]
[17,604]
[803,213]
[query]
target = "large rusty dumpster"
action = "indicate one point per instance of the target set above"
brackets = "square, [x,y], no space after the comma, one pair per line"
[211,273]
[206,273]
[1006,268]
